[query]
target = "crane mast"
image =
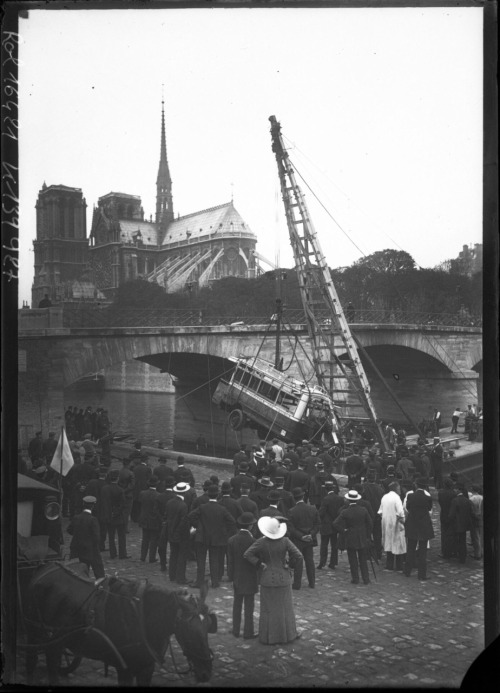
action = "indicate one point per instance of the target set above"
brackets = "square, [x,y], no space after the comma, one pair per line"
[337,365]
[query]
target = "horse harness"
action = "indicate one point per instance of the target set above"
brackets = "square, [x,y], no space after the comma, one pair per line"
[93,607]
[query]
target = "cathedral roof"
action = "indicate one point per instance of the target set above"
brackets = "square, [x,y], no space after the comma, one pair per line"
[149,232]
[221,220]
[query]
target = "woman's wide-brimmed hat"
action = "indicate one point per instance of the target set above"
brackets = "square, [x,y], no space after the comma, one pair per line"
[271,527]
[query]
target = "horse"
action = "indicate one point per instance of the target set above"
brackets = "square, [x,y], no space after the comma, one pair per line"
[123,623]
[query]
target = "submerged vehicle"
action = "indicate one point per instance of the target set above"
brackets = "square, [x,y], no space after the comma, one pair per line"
[260,396]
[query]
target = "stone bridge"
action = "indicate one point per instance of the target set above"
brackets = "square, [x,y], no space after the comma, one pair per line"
[425,365]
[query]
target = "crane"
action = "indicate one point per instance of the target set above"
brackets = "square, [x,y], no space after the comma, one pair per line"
[337,365]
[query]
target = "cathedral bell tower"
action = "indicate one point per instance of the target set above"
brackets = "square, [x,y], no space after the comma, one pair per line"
[164,204]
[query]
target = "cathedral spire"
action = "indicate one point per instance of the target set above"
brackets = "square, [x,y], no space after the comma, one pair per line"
[164,207]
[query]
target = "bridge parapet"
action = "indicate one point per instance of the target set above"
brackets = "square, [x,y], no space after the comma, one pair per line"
[92,317]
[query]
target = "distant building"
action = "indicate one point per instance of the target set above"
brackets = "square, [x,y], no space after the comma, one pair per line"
[176,252]
[61,247]
[471,258]
[468,262]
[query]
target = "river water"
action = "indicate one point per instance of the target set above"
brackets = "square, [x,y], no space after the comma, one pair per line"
[145,415]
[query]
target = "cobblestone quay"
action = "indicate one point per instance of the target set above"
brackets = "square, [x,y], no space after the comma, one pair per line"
[396,631]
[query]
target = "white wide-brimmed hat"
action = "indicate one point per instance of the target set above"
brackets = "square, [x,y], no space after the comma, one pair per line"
[271,527]
[181,487]
[352,495]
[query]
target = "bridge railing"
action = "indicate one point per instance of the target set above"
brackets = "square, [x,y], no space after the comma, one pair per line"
[86,316]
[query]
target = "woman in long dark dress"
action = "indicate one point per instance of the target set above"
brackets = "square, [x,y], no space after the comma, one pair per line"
[275,555]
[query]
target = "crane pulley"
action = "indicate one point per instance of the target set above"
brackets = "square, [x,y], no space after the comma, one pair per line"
[337,364]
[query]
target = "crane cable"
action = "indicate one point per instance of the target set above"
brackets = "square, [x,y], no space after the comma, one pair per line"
[426,337]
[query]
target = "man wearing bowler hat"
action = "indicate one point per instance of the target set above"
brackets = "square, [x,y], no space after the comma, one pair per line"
[86,538]
[356,525]
[259,496]
[242,477]
[272,510]
[213,525]
[243,575]
[303,526]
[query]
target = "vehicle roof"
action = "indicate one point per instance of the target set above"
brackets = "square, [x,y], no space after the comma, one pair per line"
[27,482]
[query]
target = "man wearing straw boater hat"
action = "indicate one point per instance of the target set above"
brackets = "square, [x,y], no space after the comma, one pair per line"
[243,575]
[356,525]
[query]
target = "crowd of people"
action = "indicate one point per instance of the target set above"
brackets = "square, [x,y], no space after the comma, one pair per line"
[260,526]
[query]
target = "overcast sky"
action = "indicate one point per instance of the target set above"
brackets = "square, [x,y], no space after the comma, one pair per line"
[381,108]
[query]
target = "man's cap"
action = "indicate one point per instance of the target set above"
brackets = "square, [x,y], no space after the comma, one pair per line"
[422,481]
[212,491]
[153,481]
[329,483]
[225,487]
[320,464]
[279,479]
[114,475]
[246,519]
[298,492]
[266,481]
[243,466]
[352,495]
[273,496]
[90,499]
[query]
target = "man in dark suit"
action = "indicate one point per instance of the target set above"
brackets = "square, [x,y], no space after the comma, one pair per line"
[303,527]
[246,504]
[242,477]
[149,520]
[259,496]
[142,472]
[85,543]
[94,488]
[163,497]
[115,514]
[373,492]
[272,509]
[227,501]
[330,507]
[161,472]
[286,501]
[317,484]
[213,525]
[354,468]
[177,532]
[355,523]
[460,517]
[243,575]
[418,529]
[298,477]
[182,473]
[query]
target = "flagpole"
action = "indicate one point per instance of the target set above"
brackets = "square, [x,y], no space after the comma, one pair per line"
[62,450]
